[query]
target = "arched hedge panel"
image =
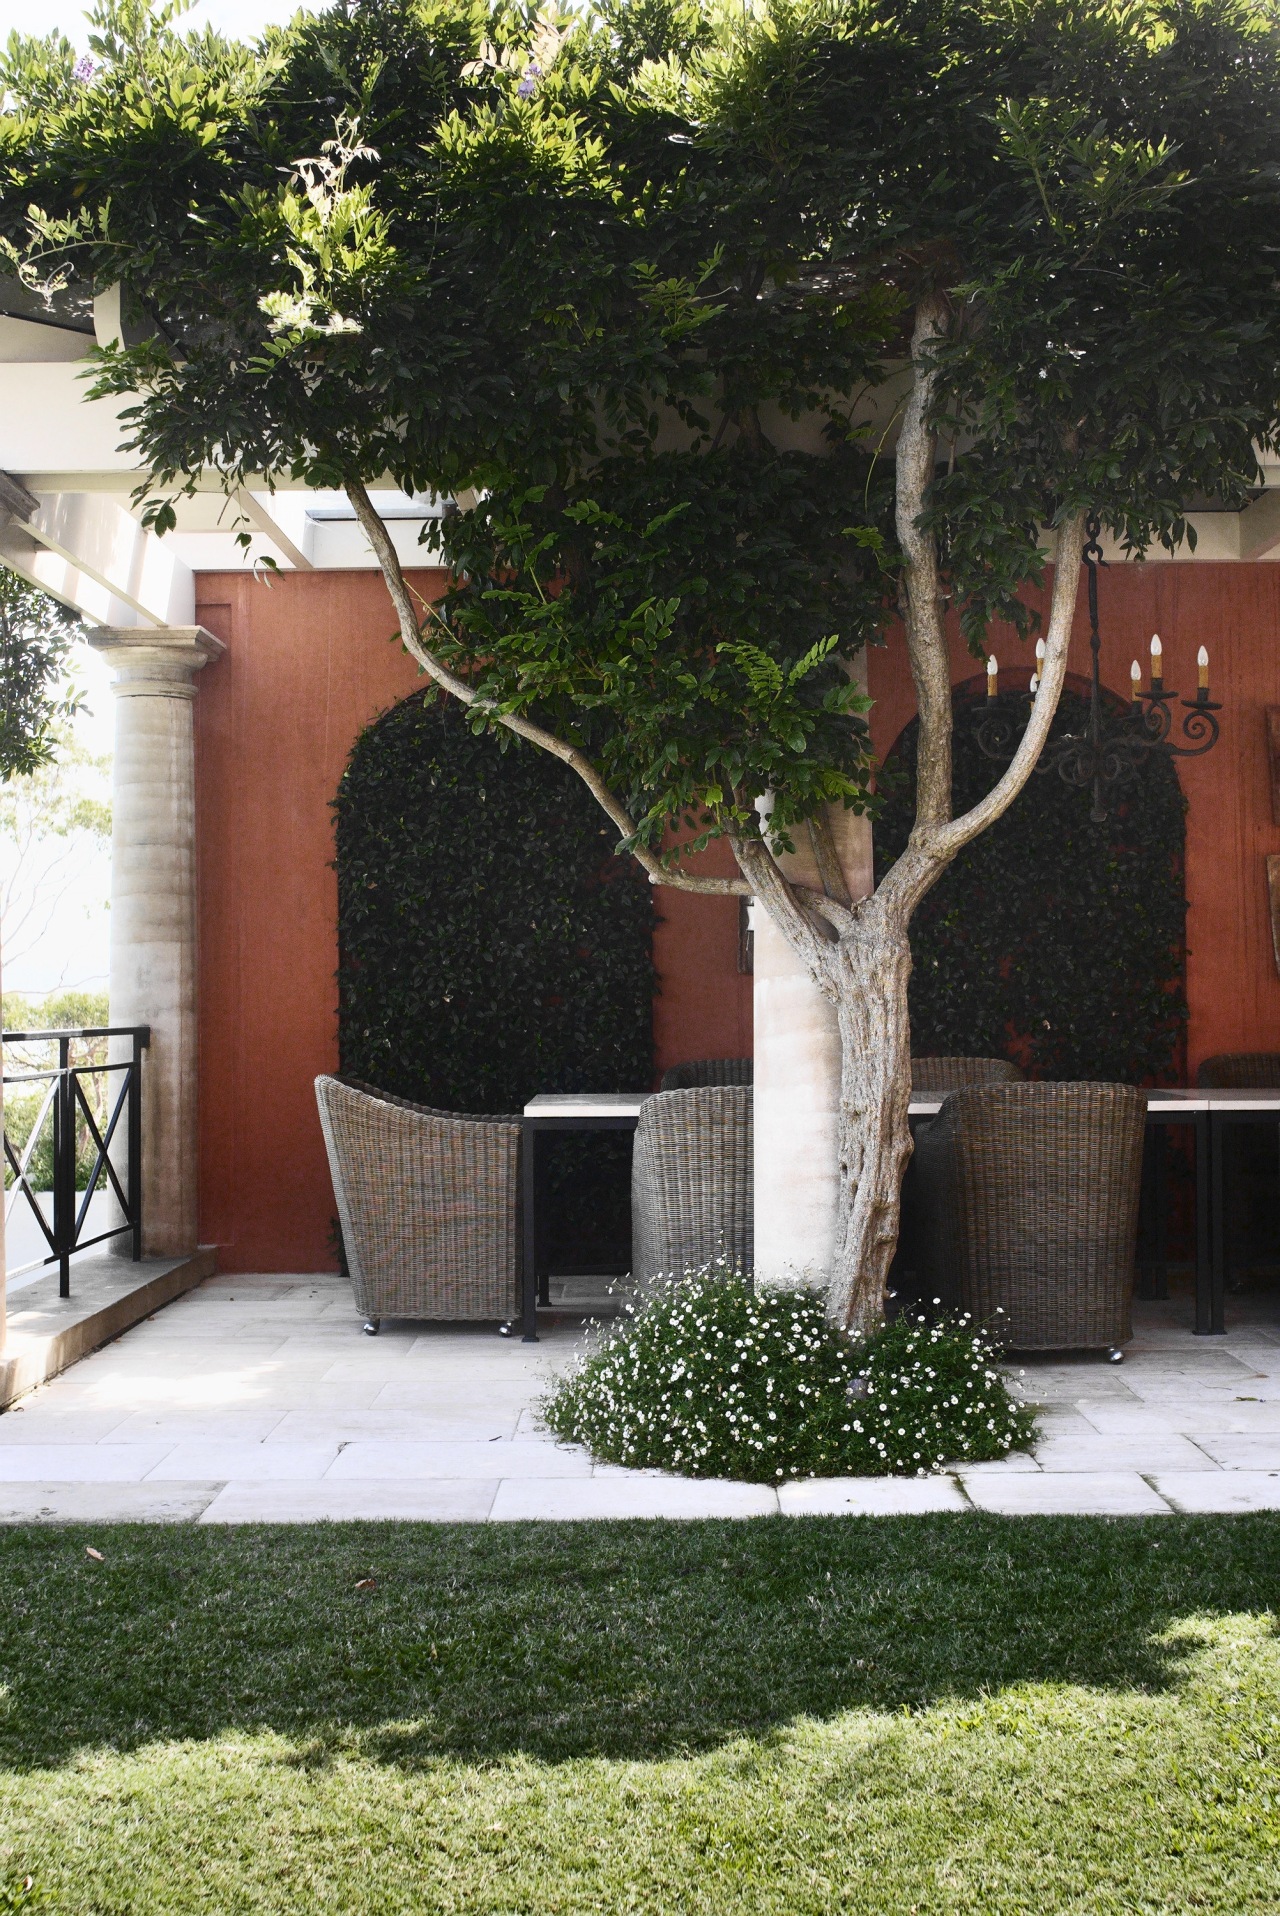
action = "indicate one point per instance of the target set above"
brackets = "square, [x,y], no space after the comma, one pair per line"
[491,946]
[1051,940]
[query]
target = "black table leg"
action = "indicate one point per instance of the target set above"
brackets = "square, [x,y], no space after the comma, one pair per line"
[1204,1208]
[1160,1200]
[541,1171]
[528,1175]
[1218,1211]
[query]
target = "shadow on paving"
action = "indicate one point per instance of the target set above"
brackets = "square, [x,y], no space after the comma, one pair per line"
[623,1640]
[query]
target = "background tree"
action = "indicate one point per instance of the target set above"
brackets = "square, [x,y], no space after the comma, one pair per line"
[52,822]
[36,636]
[743,333]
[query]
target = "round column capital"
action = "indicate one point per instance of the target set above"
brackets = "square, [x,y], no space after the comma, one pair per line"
[155,661]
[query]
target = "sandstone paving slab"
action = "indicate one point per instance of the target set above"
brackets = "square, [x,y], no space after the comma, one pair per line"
[435,1501]
[1229,1490]
[869,1496]
[104,1503]
[433,1395]
[462,1423]
[1160,1397]
[505,1457]
[274,1463]
[1142,1420]
[624,1494]
[1114,1493]
[36,1421]
[80,1463]
[203,1425]
[1242,1450]
[1112,1451]
[1019,1461]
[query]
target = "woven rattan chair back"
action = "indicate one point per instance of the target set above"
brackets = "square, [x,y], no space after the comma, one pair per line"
[429,1204]
[931,1076]
[1031,1198]
[692,1187]
[1240,1071]
[703,1071]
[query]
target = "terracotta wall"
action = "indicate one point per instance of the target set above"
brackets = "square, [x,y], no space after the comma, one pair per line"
[309,662]
[1233,989]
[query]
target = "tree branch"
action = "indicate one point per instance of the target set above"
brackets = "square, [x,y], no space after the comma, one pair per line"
[1066,586]
[921,595]
[786,906]
[397,585]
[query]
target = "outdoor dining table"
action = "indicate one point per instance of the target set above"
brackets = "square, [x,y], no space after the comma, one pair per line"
[1209,1113]
[551,1113]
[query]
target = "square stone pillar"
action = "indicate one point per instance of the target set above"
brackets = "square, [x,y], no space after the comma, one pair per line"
[153,906]
[797,1080]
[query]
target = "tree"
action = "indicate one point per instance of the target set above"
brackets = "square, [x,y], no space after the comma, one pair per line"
[49,818]
[746,336]
[36,635]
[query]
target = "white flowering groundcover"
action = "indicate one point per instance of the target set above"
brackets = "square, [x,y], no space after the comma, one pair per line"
[711,1377]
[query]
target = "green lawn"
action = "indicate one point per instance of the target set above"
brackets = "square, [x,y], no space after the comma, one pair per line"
[928,1714]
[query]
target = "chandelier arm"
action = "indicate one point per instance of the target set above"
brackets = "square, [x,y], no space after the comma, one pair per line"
[1201,726]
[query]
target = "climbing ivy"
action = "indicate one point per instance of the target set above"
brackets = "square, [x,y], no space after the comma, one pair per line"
[491,946]
[1051,940]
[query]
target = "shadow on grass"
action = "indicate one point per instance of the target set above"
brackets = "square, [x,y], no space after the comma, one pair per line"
[625,1640]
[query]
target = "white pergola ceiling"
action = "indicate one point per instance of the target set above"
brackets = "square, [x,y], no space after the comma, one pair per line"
[69,523]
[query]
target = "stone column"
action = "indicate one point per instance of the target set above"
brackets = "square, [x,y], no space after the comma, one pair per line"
[153,906]
[797,1082]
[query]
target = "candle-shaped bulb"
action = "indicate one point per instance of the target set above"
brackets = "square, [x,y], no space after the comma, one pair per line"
[1039,658]
[1157,660]
[1202,661]
[1034,686]
[1135,680]
[992,669]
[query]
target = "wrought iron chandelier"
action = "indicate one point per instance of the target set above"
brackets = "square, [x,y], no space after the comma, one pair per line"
[1112,746]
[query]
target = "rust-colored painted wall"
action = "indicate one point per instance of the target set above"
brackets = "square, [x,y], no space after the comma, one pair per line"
[309,663]
[1232,988]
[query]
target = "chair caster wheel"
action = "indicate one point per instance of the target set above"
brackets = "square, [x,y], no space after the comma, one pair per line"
[507,1329]
[371,1326]
[1115,1355]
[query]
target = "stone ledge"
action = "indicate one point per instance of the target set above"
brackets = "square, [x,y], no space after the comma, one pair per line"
[46,1332]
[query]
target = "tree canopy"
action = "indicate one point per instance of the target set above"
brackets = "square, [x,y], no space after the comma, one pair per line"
[643,279]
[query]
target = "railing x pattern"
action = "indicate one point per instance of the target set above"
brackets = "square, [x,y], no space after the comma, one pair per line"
[66,1110]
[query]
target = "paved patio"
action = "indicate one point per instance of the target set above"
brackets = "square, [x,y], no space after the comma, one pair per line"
[259,1399]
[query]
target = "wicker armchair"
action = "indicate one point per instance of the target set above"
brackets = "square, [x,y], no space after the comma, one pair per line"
[1030,1199]
[692,1183]
[703,1071]
[429,1205]
[931,1076]
[1240,1071]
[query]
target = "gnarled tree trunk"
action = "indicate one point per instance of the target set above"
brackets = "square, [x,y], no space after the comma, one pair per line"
[857,951]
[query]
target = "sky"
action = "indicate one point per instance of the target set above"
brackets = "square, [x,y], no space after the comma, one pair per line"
[244,19]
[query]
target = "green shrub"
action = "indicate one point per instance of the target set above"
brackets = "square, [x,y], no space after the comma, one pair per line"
[713,1378]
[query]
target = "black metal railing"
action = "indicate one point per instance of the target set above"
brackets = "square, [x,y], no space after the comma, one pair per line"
[69,1118]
